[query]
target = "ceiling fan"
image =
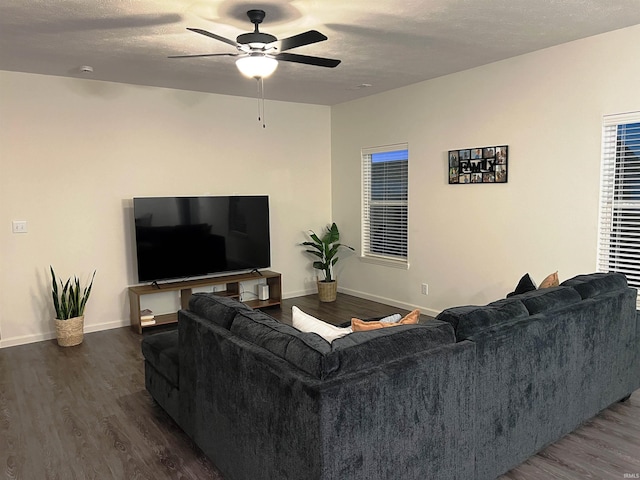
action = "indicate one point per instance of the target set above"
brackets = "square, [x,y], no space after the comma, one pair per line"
[258,52]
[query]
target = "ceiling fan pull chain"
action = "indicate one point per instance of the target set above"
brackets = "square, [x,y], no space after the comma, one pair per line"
[261,100]
[258,98]
[262,91]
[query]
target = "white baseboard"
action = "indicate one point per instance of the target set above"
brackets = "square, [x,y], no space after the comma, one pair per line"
[389,301]
[26,339]
[40,337]
[299,293]
[98,327]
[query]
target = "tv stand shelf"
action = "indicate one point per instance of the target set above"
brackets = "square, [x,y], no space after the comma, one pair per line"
[232,282]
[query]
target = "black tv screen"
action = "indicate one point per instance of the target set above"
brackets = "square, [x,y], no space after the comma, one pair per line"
[179,237]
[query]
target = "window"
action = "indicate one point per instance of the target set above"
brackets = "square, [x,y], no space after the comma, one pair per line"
[385,186]
[619,230]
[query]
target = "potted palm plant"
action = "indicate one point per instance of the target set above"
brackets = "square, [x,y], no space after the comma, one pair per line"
[325,251]
[69,302]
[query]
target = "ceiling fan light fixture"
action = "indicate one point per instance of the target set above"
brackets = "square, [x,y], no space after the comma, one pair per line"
[256,66]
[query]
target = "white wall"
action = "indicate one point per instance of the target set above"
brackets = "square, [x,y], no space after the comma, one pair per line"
[73,153]
[472,243]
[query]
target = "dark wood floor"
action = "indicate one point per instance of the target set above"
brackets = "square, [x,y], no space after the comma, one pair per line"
[82,412]
[343,310]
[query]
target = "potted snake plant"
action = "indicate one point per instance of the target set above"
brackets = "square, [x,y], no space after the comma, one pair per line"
[325,252]
[69,302]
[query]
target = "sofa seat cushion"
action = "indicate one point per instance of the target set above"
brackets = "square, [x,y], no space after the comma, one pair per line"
[596,283]
[161,351]
[314,355]
[220,310]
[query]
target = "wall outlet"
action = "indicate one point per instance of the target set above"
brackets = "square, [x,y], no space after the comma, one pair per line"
[19,226]
[425,289]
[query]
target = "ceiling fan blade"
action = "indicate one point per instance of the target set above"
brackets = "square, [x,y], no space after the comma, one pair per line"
[318,61]
[206,55]
[213,35]
[306,38]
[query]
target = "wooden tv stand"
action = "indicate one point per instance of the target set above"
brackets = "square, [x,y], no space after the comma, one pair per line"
[232,289]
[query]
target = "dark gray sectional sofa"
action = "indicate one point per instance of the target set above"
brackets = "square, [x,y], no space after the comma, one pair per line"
[546,361]
[468,395]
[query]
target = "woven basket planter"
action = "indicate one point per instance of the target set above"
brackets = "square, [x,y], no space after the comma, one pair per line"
[327,291]
[70,332]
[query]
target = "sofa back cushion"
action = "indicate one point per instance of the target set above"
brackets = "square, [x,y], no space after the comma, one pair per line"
[317,357]
[595,284]
[471,319]
[304,349]
[371,348]
[219,310]
[547,299]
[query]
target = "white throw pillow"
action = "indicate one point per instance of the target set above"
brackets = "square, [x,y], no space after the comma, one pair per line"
[306,323]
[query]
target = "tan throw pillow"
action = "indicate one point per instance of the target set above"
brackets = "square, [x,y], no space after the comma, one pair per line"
[550,281]
[358,325]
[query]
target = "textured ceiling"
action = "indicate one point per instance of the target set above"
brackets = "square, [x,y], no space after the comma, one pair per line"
[386,44]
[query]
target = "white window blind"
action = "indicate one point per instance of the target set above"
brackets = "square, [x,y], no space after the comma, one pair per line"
[619,229]
[385,188]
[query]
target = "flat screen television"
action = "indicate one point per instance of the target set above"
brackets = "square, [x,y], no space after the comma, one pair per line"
[178,237]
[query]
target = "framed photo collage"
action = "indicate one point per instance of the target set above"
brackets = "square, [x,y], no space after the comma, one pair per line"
[479,165]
